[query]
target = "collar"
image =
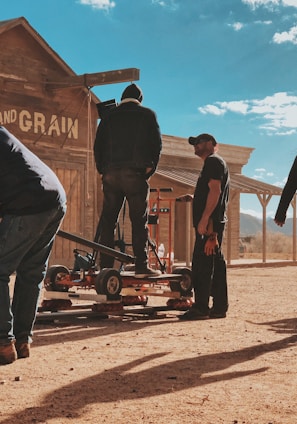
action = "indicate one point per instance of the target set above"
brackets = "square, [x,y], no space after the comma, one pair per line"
[130,99]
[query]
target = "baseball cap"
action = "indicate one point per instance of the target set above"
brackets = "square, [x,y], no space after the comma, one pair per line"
[202,137]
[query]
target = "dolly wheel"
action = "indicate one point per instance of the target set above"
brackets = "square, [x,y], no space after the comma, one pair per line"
[184,286]
[109,282]
[54,275]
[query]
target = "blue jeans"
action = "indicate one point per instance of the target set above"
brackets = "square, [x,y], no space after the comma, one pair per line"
[119,184]
[25,245]
[209,276]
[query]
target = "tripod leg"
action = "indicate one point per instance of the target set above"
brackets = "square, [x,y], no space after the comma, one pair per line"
[152,245]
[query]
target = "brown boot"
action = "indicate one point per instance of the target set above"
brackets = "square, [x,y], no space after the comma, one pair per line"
[7,353]
[23,350]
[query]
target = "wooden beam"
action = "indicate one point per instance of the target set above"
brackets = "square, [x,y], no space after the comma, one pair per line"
[99,78]
[116,254]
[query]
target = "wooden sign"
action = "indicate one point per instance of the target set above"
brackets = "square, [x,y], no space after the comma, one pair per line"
[99,78]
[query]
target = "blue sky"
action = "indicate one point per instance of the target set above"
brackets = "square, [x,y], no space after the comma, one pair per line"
[227,67]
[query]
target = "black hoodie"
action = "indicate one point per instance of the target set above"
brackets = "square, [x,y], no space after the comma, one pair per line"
[129,136]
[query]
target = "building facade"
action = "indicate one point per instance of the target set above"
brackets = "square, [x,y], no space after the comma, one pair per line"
[53,111]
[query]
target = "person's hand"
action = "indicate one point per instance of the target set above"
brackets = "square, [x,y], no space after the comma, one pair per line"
[279,223]
[211,244]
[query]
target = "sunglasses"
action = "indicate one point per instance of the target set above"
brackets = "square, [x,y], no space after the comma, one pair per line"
[200,141]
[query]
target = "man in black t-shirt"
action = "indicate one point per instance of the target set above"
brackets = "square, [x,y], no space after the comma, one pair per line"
[209,207]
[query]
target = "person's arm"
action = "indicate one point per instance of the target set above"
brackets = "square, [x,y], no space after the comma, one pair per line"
[211,203]
[98,147]
[156,144]
[287,195]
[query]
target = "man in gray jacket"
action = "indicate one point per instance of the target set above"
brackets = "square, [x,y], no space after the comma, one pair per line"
[32,206]
[127,149]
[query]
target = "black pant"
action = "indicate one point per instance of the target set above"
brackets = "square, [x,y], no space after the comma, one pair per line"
[118,185]
[209,276]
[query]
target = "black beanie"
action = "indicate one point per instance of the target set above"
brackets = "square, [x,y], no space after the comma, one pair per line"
[132,91]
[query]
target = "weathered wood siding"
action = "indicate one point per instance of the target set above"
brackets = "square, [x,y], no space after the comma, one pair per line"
[58,125]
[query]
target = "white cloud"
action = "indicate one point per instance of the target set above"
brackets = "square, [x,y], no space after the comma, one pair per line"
[99,4]
[280,183]
[256,3]
[290,3]
[278,112]
[212,109]
[262,173]
[237,26]
[263,22]
[286,36]
[220,108]
[236,106]
[291,132]
[171,4]
[269,3]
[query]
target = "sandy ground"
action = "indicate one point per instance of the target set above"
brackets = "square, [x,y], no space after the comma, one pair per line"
[238,370]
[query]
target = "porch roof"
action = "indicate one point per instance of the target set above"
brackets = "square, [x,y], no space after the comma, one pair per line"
[238,182]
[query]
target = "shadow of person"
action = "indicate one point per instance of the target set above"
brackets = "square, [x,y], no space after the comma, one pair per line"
[147,377]
[283,326]
[71,330]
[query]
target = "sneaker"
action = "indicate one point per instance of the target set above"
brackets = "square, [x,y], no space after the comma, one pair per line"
[23,350]
[8,354]
[216,315]
[193,314]
[147,272]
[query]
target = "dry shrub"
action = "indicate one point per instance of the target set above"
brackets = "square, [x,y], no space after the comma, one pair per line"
[275,243]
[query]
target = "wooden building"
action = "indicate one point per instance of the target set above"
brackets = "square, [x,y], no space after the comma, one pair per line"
[53,111]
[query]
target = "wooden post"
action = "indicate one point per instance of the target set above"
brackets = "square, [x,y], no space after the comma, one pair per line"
[264,202]
[294,227]
[188,233]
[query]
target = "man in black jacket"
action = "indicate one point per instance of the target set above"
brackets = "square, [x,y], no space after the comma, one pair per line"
[32,206]
[127,150]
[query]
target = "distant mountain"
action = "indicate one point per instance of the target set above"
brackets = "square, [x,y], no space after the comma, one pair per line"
[250,225]
[287,229]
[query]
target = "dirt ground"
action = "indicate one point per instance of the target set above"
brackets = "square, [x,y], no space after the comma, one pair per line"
[132,370]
